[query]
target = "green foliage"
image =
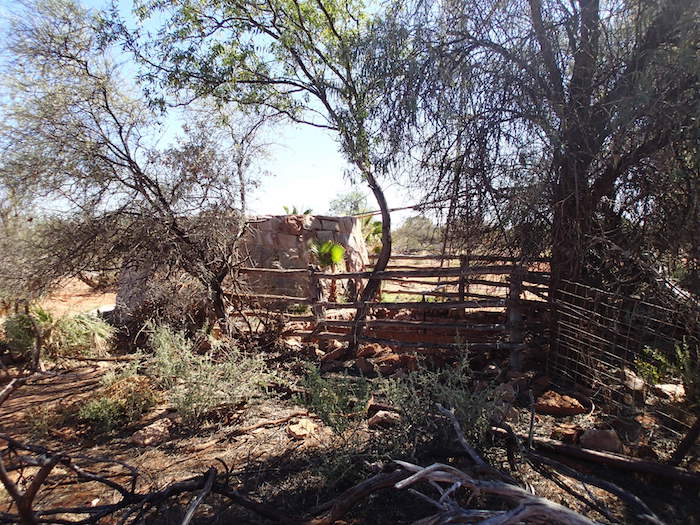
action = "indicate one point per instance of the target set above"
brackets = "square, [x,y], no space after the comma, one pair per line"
[65,336]
[196,384]
[123,401]
[293,210]
[417,234]
[339,402]
[418,393]
[656,367]
[350,203]
[40,419]
[102,414]
[328,253]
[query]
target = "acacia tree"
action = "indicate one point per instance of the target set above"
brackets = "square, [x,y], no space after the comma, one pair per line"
[303,58]
[551,115]
[76,139]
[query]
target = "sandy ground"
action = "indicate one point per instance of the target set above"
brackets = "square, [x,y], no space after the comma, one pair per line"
[77,297]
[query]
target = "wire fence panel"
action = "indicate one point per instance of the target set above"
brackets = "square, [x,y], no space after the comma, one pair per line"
[635,359]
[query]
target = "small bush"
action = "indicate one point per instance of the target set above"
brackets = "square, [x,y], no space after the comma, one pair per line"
[102,414]
[40,419]
[339,402]
[196,384]
[66,336]
[417,395]
[122,402]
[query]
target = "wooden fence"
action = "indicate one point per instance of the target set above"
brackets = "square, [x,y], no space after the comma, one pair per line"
[425,302]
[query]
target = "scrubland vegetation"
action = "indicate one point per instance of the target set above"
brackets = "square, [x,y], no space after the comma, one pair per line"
[558,141]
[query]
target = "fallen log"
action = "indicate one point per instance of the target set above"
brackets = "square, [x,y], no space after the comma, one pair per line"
[611,459]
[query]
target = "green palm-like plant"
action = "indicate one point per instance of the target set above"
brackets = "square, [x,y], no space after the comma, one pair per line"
[293,210]
[327,254]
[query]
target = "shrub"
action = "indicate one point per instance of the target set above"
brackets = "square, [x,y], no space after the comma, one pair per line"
[102,414]
[339,402]
[66,336]
[124,401]
[196,384]
[418,393]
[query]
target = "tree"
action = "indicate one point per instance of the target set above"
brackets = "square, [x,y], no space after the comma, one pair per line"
[353,202]
[303,58]
[76,137]
[547,115]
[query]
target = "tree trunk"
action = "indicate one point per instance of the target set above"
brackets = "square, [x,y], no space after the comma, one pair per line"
[380,265]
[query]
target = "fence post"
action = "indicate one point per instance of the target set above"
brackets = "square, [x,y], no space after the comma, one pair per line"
[316,297]
[463,263]
[514,317]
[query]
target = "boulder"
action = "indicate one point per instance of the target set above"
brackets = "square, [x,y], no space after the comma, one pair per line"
[675,393]
[566,432]
[335,351]
[371,350]
[555,404]
[153,434]
[599,439]
[383,419]
[388,364]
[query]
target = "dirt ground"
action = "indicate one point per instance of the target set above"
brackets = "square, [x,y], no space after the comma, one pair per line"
[265,460]
[74,296]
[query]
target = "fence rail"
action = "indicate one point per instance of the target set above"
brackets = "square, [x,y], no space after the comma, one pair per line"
[444,297]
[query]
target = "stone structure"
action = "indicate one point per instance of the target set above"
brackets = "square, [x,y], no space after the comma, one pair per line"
[283,241]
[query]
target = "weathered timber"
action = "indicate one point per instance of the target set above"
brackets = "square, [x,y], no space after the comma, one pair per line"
[421,272]
[447,305]
[609,458]
[483,327]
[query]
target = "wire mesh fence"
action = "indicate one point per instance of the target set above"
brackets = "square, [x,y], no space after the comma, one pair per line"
[635,359]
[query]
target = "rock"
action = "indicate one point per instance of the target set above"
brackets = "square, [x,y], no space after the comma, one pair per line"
[555,404]
[374,406]
[336,352]
[364,366]
[292,224]
[303,429]
[599,439]
[388,364]
[675,393]
[566,432]
[371,350]
[631,380]
[153,434]
[383,419]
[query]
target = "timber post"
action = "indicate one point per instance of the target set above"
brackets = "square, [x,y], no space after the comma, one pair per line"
[514,317]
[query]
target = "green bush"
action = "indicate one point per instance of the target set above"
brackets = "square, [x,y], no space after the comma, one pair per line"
[102,414]
[196,384]
[122,402]
[417,394]
[65,336]
[655,366]
[339,402]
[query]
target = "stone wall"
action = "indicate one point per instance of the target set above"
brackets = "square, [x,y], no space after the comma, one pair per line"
[283,241]
[270,242]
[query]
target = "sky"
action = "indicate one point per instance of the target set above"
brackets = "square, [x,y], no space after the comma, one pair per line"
[305,167]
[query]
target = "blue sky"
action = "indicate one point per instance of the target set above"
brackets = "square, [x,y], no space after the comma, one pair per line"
[305,166]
